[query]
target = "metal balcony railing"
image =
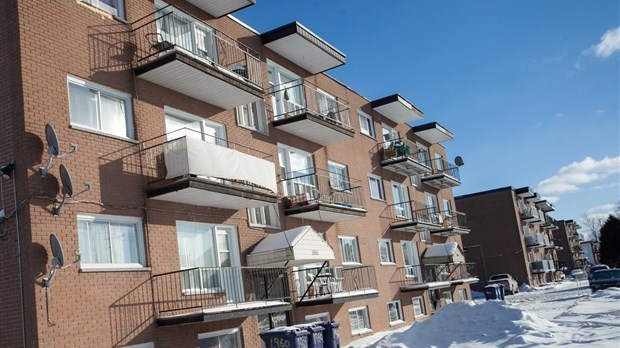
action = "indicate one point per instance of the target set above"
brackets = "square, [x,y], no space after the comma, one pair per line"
[449,272]
[401,148]
[174,29]
[152,155]
[413,211]
[317,282]
[201,288]
[441,166]
[300,96]
[534,240]
[314,186]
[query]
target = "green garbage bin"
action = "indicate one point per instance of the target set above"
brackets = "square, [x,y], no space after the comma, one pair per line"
[286,337]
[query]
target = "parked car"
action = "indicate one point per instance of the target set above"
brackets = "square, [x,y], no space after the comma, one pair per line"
[510,284]
[578,274]
[596,268]
[605,278]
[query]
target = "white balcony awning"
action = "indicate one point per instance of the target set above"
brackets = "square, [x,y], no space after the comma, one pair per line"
[443,253]
[294,247]
[185,156]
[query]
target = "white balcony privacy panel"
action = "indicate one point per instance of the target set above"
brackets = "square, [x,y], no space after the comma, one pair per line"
[443,253]
[193,156]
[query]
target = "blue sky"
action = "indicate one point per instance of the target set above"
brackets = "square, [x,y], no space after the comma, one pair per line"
[531,89]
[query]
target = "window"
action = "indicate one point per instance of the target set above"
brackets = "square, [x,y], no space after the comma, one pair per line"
[297,170]
[266,216]
[432,211]
[110,241]
[386,253]
[418,307]
[395,312]
[113,7]
[212,250]
[358,317]
[376,187]
[389,133]
[313,318]
[220,339]
[447,207]
[415,180]
[252,116]
[423,154]
[182,124]
[328,106]
[462,294]
[367,127]
[425,236]
[349,250]
[411,260]
[439,164]
[400,194]
[288,98]
[269,321]
[338,176]
[99,108]
[447,296]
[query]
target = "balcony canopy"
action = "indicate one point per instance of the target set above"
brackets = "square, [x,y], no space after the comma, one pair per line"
[397,109]
[219,8]
[294,247]
[433,132]
[296,43]
[443,253]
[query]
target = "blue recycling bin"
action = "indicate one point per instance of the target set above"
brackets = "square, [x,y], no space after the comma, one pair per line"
[315,338]
[331,337]
[286,336]
[494,292]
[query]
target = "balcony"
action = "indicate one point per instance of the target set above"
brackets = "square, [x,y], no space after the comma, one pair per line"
[220,8]
[530,214]
[433,132]
[322,196]
[542,266]
[182,53]
[302,47]
[402,157]
[335,285]
[444,175]
[201,170]
[535,240]
[527,194]
[207,294]
[436,276]
[301,109]
[412,216]
[544,206]
[397,109]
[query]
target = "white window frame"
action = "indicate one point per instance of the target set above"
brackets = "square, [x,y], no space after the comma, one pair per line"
[106,91]
[462,295]
[415,269]
[312,318]
[220,137]
[416,180]
[305,183]
[366,317]
[447,208]
[366,119]
[120,7]
[256,116]
[356,250]
[344,183]
[420,301]
[375,178]
[257,216]
[387,243]
[399,308]
[448,298]
[425,236]
[225,332]
[390,130]
[136,221]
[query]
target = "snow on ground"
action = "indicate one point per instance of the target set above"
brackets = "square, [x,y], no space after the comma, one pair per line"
[559,315]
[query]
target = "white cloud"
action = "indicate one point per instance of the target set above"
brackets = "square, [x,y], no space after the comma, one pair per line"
[610,43]
[558,115]
[605,208]
[551,199]
[606,186]
[571,177]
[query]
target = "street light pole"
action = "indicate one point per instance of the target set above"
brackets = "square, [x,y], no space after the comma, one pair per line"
[484,265]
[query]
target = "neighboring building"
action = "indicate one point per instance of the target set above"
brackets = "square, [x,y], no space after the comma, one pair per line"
[221,199]
[572,255]
[511,233]
[591,249]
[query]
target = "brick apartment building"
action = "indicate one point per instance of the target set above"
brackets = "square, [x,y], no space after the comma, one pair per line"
[572,254]
[512,233]
[232,185]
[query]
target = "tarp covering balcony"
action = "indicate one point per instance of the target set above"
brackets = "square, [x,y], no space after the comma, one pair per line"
[194,156]
[443,253]
[294,247]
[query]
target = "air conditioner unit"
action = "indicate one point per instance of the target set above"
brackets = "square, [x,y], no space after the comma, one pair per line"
[337,272]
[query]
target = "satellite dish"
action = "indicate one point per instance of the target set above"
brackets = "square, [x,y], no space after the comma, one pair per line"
[58,259]
[67,188]
[458,160]
[53,148]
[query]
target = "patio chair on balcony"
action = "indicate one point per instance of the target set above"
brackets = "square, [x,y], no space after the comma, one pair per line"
[157,43]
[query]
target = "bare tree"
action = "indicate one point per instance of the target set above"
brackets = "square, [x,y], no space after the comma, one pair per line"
[593,224]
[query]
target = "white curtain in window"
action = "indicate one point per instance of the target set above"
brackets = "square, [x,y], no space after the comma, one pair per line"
[99,243]
[124,243]
[113,115]
[83,106]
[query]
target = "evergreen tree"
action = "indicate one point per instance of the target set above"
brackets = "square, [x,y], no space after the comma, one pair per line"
[610,242]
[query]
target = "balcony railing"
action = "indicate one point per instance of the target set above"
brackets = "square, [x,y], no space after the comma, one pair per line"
[412,211]
[441,166]
[403,148]
[200,289]
[535,240]
[339,281]
[531,214]
[174,29]
[449,272]
[300,97]
[316,186]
